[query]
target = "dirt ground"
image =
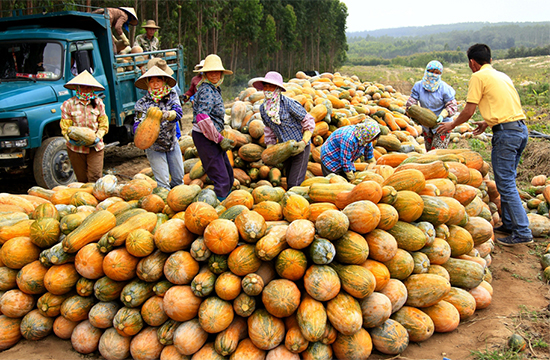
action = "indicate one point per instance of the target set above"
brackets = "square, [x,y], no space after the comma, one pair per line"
[520,301]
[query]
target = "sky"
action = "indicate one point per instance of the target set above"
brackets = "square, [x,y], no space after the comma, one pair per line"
[369,15]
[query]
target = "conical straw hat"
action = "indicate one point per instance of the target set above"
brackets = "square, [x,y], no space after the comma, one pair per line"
[141,83]
[132,13]
[213,63]
[85,79]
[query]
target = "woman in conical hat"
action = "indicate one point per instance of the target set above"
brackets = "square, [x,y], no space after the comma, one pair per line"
[347,144]
[208,123]
[164,155]
[285,119]
[85,110]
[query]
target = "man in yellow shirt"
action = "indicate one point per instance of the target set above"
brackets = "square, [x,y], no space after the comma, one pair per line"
[500,107]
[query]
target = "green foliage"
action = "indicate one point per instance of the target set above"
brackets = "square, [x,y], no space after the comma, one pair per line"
[527,39]
[251,36]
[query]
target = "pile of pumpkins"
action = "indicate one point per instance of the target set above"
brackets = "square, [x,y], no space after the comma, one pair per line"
[537,212]
[328,269]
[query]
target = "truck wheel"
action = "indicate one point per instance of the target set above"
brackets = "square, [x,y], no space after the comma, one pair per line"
[52,166]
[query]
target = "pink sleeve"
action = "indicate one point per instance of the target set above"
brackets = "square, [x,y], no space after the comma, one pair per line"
[208,129]
[269,136]
[308,123]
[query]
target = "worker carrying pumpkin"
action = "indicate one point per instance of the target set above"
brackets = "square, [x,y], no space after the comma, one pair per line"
[120,18]
[347,144]
[285,119]
[83,124]
[436,95]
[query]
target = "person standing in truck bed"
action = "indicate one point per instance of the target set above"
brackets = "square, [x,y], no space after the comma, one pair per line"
[120,18]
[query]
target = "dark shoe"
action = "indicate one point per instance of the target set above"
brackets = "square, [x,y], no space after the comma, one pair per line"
[514,240]
[503,229]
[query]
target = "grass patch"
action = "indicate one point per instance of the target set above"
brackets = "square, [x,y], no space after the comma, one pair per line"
[501,354]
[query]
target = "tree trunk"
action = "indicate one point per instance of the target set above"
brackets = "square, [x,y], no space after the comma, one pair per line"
[29,7]
[179,22]
[167,12]
[89,4]
[199,34]
[156,11]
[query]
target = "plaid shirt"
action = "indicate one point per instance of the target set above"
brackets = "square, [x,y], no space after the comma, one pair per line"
[146,44]
[75,113]
[342,148]
[208,100]
[167,134]
[294,121]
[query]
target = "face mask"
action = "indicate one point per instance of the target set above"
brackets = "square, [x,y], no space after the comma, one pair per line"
[268,94]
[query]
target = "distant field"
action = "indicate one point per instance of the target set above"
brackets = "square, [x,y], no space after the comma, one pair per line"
[530,75]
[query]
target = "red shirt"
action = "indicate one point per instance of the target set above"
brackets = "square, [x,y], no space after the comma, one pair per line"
[193,87]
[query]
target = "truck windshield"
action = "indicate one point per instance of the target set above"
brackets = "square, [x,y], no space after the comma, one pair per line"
[30,60]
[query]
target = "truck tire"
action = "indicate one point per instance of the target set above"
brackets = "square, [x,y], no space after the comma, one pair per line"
[52,166]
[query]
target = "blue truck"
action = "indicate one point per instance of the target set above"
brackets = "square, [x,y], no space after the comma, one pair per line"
[38,55]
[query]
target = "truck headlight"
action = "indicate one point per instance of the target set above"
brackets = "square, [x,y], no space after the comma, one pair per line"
[10,129]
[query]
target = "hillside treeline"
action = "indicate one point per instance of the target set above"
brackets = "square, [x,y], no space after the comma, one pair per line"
[506,41]
[251,36]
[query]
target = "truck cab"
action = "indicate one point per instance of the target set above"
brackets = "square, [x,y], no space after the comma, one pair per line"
[39,54]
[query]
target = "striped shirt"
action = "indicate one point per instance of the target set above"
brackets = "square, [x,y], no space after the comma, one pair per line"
[342,148]
[84,115]
[294,121]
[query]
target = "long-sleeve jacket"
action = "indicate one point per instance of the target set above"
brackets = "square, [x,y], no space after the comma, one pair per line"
[167,135]
[75,112]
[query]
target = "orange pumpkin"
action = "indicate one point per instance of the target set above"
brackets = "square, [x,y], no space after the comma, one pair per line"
[89,262]
[353,347]
[390,337]
[221,236]
[180,303]
[251,226]
[128,321]
[119,265]
[264,330]
[35,326]
[228,286]
[30,279]
[375,309]
[332,224]
[243,260]
[85,337]
[321,282]
[344,313]
[380,272]
[300,233]
[444,316]
[145,345]
[281,297]
[16,304]
[295,207]
[18,252]
[419,326]
[227,340]
[269,210]
[63,328]
[463,301]
[396,291]
[180,268]
[60,279]
[382,245]
[189,337]
[215,314]
[113,346]
[198,215]
[363,216]
[172,236]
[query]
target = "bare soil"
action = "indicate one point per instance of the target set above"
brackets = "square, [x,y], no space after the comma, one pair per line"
[520,302]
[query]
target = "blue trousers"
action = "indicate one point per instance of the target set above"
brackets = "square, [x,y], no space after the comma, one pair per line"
[505,155]
[167,166]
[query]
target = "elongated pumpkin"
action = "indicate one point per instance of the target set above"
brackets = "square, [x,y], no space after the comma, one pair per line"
[91,229]
[148,130]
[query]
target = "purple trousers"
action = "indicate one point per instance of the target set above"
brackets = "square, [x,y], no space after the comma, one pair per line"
[216,164]
[296,167]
